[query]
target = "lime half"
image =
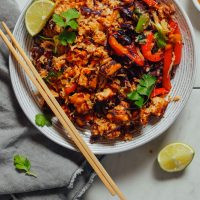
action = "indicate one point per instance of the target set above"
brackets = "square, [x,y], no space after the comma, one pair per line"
[37,15]
[175,157]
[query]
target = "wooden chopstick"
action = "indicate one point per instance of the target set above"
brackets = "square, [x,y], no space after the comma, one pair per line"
[57,114]
[67,124]
[58,111]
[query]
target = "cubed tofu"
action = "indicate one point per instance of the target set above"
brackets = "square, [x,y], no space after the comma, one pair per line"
[156,108]
[104,128]
[119,114]
[88,78]
[105,94]
[81,102]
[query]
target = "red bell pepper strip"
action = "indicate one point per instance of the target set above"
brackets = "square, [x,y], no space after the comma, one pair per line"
[178,45]
[123,51]
[117,47]
[178,48]
[70,89]
[173,25]
[139,59]
[159,91]
[128,1]
[167,69]
[147,48]
[178,53]
[152,3]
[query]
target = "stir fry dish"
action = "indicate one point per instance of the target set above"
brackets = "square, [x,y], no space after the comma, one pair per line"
[109,63]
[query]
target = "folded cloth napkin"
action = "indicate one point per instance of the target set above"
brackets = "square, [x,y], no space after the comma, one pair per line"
[61,173]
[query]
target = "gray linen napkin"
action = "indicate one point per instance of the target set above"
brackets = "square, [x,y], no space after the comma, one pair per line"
[62,174]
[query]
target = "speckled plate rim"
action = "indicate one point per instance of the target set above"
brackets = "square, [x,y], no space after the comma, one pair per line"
[142,139]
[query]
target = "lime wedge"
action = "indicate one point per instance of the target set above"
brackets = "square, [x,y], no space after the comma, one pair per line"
[175,157]
[37,15]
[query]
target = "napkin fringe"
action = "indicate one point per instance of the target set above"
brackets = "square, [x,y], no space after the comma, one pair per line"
[74,177]
[86,187]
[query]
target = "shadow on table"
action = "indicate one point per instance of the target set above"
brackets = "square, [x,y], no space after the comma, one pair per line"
[161,175]
[136,161]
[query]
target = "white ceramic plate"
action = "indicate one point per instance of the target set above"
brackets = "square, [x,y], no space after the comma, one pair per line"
[182,86]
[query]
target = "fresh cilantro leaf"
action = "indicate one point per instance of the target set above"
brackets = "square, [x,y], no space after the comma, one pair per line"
[143,91]
[147,80]
[59,20]
[63,38]
[63,41]
[22,163]
[66,20]
[42,120]
[149,93]
[67,38]
[134,96]
[52,74]
[70,14]
[71,37]
[73,24]
[139,102]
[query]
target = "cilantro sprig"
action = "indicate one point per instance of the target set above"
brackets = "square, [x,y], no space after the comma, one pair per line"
[42,120]
[143,91]
[52,74]
[67,37]
[67,20]
[21,163]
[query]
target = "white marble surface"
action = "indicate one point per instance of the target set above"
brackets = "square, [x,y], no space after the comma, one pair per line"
[137,173]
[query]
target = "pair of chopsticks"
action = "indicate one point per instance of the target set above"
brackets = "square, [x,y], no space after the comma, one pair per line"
[34,76]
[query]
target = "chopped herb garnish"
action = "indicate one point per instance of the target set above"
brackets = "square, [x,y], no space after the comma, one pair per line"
[52,74]
[160,40]
[59,20]
[67,20]
[141,95]
[70,14]
[73,24]
[23,164]
[141,39]
[45,38]
[143,23]
[67,37]
[43,120]
[162,27]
